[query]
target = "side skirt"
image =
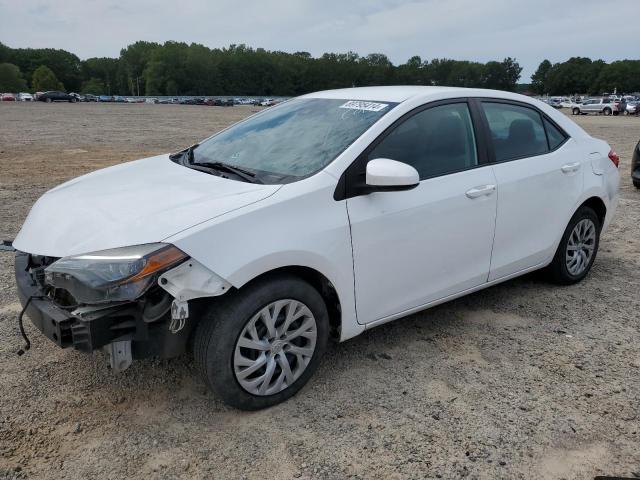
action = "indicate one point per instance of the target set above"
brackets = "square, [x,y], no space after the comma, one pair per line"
[410,311]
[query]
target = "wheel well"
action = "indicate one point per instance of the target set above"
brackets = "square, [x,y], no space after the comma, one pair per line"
[324,287]
[598,206]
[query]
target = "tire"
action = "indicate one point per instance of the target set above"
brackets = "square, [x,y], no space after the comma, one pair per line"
[607,111]
[48,100]
[559,270]
[636,183]
[575,111]
[73,100]
[228,320]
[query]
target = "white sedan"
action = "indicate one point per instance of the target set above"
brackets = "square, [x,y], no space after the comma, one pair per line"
[319,218]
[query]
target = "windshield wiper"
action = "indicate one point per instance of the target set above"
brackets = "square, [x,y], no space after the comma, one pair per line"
[246,175]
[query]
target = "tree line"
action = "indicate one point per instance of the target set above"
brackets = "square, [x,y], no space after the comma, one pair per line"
[580,75]
[176,68]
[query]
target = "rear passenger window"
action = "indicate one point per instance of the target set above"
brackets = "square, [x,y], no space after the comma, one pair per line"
[555,136]
[516,131]
[435,141]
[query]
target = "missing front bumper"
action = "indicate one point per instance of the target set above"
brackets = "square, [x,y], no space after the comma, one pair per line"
[144,323]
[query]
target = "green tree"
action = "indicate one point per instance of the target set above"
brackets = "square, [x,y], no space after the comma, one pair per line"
[94,86]
[65,65]
[5,51]
[44,79]
[133,62]
[576,75]
[539,78]
[11,78]
[621,76]
[502,75]
[106,71]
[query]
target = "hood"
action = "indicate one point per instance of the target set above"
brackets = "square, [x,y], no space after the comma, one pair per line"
[129,204]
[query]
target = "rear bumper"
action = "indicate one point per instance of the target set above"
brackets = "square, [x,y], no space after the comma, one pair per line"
[94,327]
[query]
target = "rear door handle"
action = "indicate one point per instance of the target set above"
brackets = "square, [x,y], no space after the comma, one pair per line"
[570,167]
[483,190]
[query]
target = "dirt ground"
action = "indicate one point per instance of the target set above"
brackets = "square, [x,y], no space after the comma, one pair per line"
[523,380]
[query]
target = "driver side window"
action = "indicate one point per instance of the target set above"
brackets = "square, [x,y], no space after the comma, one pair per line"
[435,141]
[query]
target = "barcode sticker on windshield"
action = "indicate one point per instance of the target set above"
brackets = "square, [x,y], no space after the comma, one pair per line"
[360,105]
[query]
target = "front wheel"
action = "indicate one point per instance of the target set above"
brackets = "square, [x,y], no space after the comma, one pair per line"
[578,248]
[259,346]
[607,111]
[576,111]
[48,100]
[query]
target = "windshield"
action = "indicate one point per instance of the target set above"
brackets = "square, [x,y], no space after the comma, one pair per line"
[294,139]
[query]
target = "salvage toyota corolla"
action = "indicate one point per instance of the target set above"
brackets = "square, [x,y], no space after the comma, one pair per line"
[322,217]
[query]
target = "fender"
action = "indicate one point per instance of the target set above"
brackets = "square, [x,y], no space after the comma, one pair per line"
[263,240]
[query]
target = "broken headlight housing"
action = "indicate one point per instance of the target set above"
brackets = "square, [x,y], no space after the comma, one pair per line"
[115,275]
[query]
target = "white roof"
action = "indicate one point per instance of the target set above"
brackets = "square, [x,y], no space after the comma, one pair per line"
[400,93]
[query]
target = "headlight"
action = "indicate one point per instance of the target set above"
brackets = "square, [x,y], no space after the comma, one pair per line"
[119,274]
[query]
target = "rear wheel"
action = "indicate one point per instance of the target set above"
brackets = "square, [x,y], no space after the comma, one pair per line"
[259,346]
[576,111]
[578,248]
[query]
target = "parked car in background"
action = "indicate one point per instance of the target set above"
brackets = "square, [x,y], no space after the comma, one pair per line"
[604,106]
[568,102]
[370,203]
[77,96]
[220,102]
[7,97]
[555,102]
[56,96]
[24,97]
[635,166]
[105,98]
[633,108]
[151,100]
[90,98]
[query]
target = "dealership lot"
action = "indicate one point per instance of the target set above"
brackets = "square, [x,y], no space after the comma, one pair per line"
[523,380]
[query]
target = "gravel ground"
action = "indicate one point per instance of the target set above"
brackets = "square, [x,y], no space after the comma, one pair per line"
[523,380]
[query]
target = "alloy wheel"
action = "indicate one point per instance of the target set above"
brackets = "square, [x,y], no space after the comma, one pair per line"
[580,247]
[275,347]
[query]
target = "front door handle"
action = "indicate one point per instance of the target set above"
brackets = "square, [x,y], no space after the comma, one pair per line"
[570,167]
[483,190]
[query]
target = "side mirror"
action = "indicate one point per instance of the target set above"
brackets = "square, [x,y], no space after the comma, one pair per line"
[384,174]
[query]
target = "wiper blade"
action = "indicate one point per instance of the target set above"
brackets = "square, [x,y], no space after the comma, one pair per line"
[247,175]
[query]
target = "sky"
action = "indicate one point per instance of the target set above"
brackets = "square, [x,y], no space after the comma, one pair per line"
[479,30]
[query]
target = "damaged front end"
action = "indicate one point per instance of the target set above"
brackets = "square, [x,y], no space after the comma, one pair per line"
[132,302]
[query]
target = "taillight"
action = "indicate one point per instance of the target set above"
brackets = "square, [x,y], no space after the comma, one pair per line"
[613,156]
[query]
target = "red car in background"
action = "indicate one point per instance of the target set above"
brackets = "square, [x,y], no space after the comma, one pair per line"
[7,97]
